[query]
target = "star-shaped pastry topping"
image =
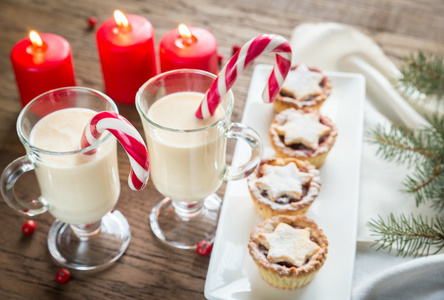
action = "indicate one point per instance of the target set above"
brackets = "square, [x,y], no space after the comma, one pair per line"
[303,83]
[283,180]
[288,244]
[304,128]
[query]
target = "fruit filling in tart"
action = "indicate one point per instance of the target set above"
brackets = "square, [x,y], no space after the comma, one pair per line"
[305,135]
[303,83]
[303,131]
[288,250]
[304,87]
[288,246]
[284,186]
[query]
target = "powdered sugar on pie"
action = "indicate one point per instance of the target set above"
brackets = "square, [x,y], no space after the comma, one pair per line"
[300,127]
[283,180]
[289,244]
[303,83]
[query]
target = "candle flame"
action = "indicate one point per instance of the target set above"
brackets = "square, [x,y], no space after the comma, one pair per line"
[184,31]
[35,38]
[120,18]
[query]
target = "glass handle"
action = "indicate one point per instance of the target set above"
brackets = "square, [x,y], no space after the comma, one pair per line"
[251,137]
[8,179]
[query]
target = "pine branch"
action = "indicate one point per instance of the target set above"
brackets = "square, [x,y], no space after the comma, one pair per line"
[402,146]
[427,184]
[424,74]
[437,131]
[423,78]
[409,236]
[424,150]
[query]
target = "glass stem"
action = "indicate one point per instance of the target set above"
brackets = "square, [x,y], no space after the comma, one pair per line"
[187,210]
[85,231]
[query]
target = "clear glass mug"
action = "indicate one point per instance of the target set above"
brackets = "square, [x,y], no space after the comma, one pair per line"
[79,190]
[188,166]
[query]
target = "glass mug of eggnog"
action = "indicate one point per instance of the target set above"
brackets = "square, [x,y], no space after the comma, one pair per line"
[79,190]
[187,154]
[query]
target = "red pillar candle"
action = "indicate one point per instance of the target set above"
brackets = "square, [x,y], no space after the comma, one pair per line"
[41,63]
[188,48]
[126,51]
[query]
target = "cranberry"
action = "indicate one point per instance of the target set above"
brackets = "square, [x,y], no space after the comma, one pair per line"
[204,248]
[92,21]
[28,227]
[62,276]
[220,58]
[234,49]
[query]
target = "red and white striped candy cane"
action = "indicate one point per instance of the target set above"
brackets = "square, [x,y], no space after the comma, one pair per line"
[130,139]
[264,43]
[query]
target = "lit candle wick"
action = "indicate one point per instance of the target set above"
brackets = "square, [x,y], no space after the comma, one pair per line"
[35,38]
[121,20]
[185,34]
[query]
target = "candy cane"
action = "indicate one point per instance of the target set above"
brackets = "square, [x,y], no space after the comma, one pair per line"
[130,139]
[239,62]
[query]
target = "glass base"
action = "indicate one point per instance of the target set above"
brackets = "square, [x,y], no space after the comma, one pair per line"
[89,247]
[183,225]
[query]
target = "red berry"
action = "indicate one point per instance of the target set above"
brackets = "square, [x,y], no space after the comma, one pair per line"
[62,276]
[204,248]
[235,48]
[220,58]
[92,21]
[28,227]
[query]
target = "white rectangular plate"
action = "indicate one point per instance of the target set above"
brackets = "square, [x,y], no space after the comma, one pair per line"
[232,273]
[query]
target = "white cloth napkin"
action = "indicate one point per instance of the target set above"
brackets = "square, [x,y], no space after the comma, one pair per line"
[337,47]
[420,278]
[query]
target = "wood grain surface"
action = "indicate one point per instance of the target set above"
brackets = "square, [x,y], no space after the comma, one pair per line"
[150,270]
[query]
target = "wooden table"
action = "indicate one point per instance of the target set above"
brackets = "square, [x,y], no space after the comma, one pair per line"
[149,269]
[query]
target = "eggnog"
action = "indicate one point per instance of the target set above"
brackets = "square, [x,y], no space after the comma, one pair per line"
[188,156]
[79,188]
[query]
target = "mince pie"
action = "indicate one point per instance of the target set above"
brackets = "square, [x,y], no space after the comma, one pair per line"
[305,135]
[284,186]
[288,250]
[304,88]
